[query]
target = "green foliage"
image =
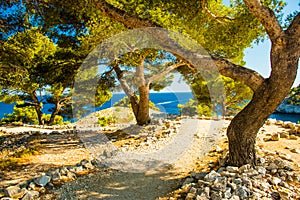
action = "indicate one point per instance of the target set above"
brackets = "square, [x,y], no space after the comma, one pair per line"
[193,107]
[90,90]
[294,96]
[26,115]
[237,96]
[104,121]
[229,101]
[124,102]
[58,120]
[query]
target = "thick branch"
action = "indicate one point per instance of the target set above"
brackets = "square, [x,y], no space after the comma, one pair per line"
[247,76]
[122,81]
[294,28]
[165,72]
[123,17]
[226,68]
[267,17]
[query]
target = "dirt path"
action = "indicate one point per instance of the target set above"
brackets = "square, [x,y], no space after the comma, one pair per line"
[148,176]
[53,150]
[130,168]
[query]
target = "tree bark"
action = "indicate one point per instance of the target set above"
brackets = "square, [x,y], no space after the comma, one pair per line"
[140,107]
[243,129]
[54,113]
[143,116]
[38,108]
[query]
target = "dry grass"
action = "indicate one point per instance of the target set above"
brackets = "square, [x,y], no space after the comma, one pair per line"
[17,159]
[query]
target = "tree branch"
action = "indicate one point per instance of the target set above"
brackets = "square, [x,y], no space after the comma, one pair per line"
[247,76]
[267,17]
[123,17]
[165,72]
[294,28]
[226,68]
[122,81]
[212,15]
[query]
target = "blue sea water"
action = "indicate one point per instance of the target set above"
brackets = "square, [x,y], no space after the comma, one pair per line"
[167,102]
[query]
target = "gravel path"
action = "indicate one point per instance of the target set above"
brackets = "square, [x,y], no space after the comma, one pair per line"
[135,175]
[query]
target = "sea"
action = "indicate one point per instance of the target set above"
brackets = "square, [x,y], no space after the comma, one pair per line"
[166,101]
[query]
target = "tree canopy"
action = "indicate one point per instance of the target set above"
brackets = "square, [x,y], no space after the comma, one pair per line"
[223,30]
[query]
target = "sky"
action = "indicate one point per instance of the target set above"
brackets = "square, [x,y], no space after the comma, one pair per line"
[257,57]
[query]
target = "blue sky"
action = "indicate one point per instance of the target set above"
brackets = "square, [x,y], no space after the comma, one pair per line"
[257,57]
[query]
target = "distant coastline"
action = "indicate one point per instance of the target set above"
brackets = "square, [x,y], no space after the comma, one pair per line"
[166,101]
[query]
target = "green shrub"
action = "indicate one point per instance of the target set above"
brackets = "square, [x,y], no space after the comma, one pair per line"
[124,102]
[192,108]
[58,120]
[104,121]
[28,115]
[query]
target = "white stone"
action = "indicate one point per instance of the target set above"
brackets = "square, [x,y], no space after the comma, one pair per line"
[261,170]
[219,149]
[43,181]
[227,193]
[262,160]
[235,197]
[276,181]
[232,169]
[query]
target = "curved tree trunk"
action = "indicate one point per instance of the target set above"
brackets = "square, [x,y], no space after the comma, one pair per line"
[38,108]
[141,107]
[40,115]
[243,129]
[54,113]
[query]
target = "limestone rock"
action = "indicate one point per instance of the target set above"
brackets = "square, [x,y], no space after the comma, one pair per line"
[232,169]
[284,135]
[15,192]
[293,137]
[275,137]
[43,180]
[31,195]
[275,180]
[297,151]
[219,149]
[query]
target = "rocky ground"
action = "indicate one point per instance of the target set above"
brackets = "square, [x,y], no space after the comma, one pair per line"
[169,159]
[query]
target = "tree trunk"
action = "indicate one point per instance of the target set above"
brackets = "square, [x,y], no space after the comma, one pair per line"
[54,113]
[143,114]
[243,129]
[38,108]
[141,107]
